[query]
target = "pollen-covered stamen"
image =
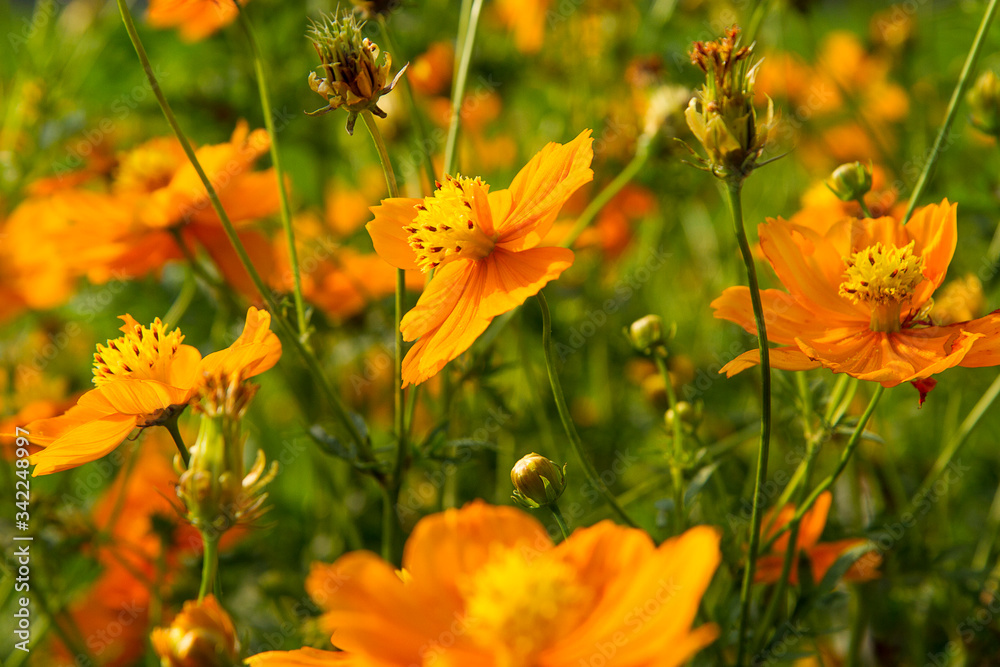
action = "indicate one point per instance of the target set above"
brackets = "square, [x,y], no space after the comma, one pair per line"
[141,353]
[446,227]
[885,278]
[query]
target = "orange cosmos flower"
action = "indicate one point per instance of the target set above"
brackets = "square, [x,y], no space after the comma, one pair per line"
[143,378]
[821,556]
[485,586]
[859,293]
[483,245]
[196,19]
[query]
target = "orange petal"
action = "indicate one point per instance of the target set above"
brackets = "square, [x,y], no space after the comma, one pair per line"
[388,233]
[438,299]
[87,442]
[891,358]
[256,350]
[814,520]
[784,358]
[935,230]
[134,397]
[787,317]
[541,188]
[823,556]
[303,657]
[986,350]
[512,277]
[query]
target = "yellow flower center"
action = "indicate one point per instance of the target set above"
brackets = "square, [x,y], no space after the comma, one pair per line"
[144,353]
[520,602]
[883,277]
[446,226]
[146,168]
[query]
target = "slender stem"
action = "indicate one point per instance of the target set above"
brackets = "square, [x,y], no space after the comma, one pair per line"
[418,120]
[184,298]
[958,439]
[286,211]
[311,363]
[864,207]
[734,190]
[676,475]
[209,564]
[560,519]
[845,456]
[171,426]
[989,537]
[609,191]
[567,419]
[956,98]
[458,90]
[389,520]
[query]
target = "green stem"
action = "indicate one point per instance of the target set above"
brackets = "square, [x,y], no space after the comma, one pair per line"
[311,363]
[609,191]
[209,564]
[395,482]
[458,90]
[171,426]
[676,474]
[560,519]
[418,120]
[845,456]
[958,439]
[864,207]
[982,554]
[956,98]
[567,419]
[286,211]
[734,190]
[184,298]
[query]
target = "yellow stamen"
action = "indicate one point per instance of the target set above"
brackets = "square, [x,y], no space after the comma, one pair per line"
[144,353]
[885,278]
[520,602]
[146,168]
[446,226]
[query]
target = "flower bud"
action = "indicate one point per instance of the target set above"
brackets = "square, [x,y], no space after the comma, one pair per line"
[984,102]
[350,75]
[537,481]
[646,335]
[202,635]
[850,181]
[722,116]
[690,415]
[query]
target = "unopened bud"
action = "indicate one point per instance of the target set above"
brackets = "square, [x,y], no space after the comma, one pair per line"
[688,414]
[646,335]
[850,181]
[202,635]
[537,481]
[984,102]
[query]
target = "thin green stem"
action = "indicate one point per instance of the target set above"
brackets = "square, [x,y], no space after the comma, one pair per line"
[567,419]
[458,90]
[982,554]
[395,481]
[956,98]
[609,191]
[184,298]
[734,190]
[864,207]
[209,564]
[418,120]
[171,426]
[958,438]
[676,474]
[311,363]
[286,211]
[560,519]
[828,481]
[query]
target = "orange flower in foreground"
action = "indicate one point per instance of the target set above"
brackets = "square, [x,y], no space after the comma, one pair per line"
[196,19]
[822,556]
[859,293]
[483,245]
[485,586]
[142,378]
[202,635]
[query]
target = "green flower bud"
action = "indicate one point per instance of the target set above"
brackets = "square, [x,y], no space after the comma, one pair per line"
[537,481]
[851,181]
[350,75]
[646,335]
[984,101]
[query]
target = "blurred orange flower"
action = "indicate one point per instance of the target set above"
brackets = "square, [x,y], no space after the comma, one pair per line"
[196,19]
[822,556]
[484,585]
[527,20]
[142,378]
[858,298]
[430,73]
[483,245]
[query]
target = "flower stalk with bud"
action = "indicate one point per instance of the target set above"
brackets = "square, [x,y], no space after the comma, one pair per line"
[202,635]
[538,482]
